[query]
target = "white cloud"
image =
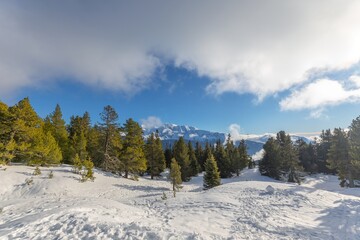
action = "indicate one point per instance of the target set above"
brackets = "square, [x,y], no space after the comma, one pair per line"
[151,122]
[258,47]
[234,130]
[318,95]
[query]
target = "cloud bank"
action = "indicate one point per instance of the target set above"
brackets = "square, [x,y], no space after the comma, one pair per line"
[251,46]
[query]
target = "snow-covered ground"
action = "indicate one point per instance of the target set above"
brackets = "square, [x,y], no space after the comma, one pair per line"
[112,207]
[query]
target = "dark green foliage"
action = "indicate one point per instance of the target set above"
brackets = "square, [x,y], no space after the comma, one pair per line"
[55,124]
[241,157]
[181,154]
[322,150]
[132,156]
[270,164]
[194,166]
[110,139]
[168,155]
[212,174]
[222,160]
[354,139]
[88,173]
[339,156]
[307,156]
[199,154]
[175,176]
[281,159]
[154,155]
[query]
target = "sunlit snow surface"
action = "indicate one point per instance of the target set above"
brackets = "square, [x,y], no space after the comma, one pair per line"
[116,208]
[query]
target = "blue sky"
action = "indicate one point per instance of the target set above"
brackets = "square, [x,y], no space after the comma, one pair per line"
[264,66]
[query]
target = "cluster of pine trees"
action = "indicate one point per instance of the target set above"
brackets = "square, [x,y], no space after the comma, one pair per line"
[335,152]
[218,160]
[121,149]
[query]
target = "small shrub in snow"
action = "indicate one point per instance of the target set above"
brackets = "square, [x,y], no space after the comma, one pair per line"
[51,175]
[163,197]
[135,177]
[37,171]
[88,174]
[29,181]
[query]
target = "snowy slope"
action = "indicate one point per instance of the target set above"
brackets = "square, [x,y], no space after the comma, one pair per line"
[116,208]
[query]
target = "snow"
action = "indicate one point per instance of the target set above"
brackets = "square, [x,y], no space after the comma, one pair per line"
[112,207]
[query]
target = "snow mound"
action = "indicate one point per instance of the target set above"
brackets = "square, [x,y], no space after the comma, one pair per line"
[270,189]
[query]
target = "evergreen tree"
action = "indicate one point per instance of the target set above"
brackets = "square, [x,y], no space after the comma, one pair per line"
[56,125]
[354,140]
[133,158]
[154,155]
[8,145]
[244,158]
[270,164]
[44,149]
[181,154]
[88,173]
[322,150]
[194,166]
[199,154]
[77,164]
[290,164]
[175,176]
[307,156]
[222,160]
[111,139]
[168,155]
[94,145]
[339,156]
[79,146]
[212,174]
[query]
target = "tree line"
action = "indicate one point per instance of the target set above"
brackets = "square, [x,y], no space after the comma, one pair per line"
[109,145]
[335,152]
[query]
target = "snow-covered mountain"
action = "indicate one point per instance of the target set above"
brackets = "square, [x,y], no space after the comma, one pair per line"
[169,133]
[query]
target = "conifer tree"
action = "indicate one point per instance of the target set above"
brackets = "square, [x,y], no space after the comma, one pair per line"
[270,164]
[290,160]
[56,125]
[168,155]
[45,150]
[77,164]
[243,157]
[181,154]
[212,174]
[111,139]
[222,160]
[354,140]
[199,153]
[133,158]
[194,166]
[322,150]
[88,173]
[8,145]
[154,155]
[175,176]
[339,156]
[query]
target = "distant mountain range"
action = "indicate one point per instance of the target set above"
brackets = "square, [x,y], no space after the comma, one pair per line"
[169,133]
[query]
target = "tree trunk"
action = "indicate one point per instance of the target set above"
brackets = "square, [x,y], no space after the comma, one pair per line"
[126,174]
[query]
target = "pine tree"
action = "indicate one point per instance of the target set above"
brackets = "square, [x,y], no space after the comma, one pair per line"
[212,174]
[339,156]
[8,145]
[154,155]
[133,158]
[181,154]
[175,176]
[44,149]
[322,149]
[56,125]
[88,173]
[77,164]
[199,153]
[194,166]
[354,140]
[222,160]
[243,160]
[270,164]
[111,139]
[289,160]
[168,155]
